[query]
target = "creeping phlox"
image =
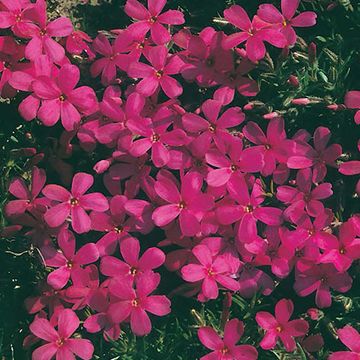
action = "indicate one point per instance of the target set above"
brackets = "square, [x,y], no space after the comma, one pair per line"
[231,196]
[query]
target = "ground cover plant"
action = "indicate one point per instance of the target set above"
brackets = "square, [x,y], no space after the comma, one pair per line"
[180,179]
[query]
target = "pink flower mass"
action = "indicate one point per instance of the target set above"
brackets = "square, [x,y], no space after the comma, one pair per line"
[154,145]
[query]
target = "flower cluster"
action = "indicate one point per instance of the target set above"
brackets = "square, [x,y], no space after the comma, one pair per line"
[242,204]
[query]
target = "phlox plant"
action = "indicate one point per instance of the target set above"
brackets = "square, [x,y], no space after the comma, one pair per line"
[168,178]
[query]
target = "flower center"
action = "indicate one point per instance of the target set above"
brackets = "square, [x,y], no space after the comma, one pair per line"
[74,202]
[212,128]
[140,45]
[60,342]
[267,147]
[324,279]
[159,74]
[182,205]
[118,229]
[42,32]
[210,272]
[152,20]
[224,351]
[155,138]
[62,98]
[210,62]
[135,303]
[233,167]
[18,17]
[284,23]
[69,264]
[249,208]
[342,251]
[279,328]
[133,271]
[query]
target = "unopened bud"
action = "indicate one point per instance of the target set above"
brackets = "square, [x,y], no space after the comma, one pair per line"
[301,101]
[271,115]
[336,107]
[312,50]
[102,166]
[293,81]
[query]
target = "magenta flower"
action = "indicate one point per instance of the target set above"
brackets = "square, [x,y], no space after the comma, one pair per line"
[286,21]
[343,251]
[210,271]
[27,198]
[61,100]
[231,164]
[60,342]
[14,15]
[303,197]
[74,203]
[190,204]
[206,59]
[155,136]
[100,302]
[274,146]
[157,74]
[214,127]
[226,348]
[132,267]
[351,339]
[254,32]
[317,158]
[68,262]
[247,210]
[352,101]
[279,327]
[135,304]
[320,278]
[113,57]
[78,42]
[42,41]
[152,19]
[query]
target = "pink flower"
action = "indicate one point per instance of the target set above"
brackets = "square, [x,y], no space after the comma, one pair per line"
[74,203]
[113,57]
[152,19]
[15,16]
[351,339]
[303,197]
[226,348]
[214,127]
[42,41]
[232,163]
[254,32]
[61,100]
[287,20]
[343,251]
[320,278]
[135,304]
[279,327]
[101,320]
[352,101]
[190,204]
[274,146]
[68,262]
[132,267]
[155,136]
[157,74]
[59,342]
[119,222]
[210,271]
[206,59]
[247,210]
[77,43]
[317,158]
[27,199]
